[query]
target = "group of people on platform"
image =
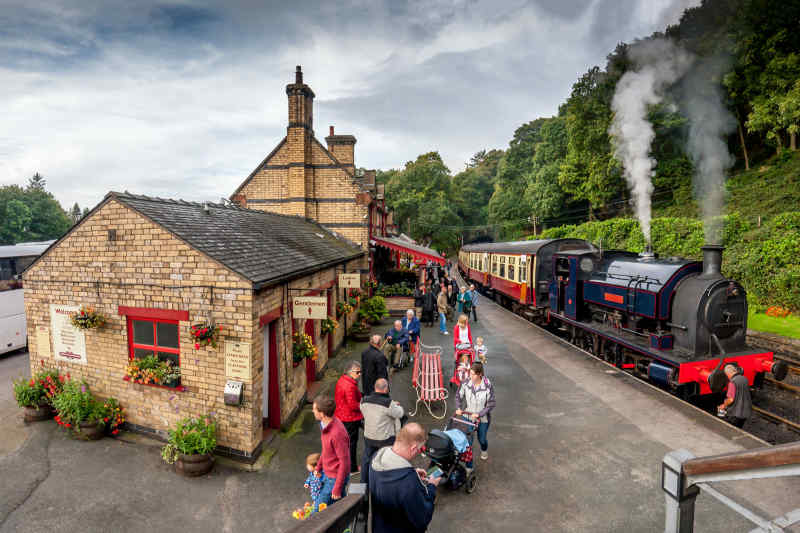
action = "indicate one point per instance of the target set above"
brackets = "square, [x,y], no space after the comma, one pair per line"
[402,496]
[439,297]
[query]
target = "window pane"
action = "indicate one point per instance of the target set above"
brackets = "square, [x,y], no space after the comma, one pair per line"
[142,332]
[511,272]
[502,270]
[140,353]
[172,357]
[167,335]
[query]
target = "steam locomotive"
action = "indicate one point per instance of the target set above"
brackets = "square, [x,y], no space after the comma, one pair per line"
[671,320]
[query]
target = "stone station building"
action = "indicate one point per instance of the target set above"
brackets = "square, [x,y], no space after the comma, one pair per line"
[154,267]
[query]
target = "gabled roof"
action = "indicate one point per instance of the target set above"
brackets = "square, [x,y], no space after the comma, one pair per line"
[263,247]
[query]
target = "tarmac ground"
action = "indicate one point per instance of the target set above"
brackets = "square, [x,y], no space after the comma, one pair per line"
[574,445]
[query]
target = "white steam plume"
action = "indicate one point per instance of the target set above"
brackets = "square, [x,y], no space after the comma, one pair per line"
[658,64]
[709,123]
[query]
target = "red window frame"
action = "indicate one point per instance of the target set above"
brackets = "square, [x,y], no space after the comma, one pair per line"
[155,347]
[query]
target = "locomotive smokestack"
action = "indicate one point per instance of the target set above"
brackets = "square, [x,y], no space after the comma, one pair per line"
[712,261]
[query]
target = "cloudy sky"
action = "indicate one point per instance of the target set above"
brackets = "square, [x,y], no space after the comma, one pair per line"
[184,99]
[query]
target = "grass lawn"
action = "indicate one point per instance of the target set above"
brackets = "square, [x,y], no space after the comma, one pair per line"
[788,327]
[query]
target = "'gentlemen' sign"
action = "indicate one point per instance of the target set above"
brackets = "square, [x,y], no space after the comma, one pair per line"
[350,281]
[69,343]
[310,307]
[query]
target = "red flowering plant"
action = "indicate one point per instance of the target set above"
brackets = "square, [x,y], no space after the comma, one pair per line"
[75,405]
[38,390]
[205,335]
[113,416]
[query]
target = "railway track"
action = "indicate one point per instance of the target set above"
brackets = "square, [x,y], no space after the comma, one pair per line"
[777,418]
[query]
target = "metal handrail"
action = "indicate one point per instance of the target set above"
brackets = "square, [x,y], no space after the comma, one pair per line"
[683,476]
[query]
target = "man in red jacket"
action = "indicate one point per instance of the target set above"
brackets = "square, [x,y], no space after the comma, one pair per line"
[348,408]
[334,461]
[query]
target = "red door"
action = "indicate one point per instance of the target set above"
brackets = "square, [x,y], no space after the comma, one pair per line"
[273,393]
[311,365]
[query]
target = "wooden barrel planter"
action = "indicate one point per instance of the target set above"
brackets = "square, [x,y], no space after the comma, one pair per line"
[89,431]
[194,465]
[37,414]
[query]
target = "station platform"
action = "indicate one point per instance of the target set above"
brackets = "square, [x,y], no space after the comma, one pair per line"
[577,445]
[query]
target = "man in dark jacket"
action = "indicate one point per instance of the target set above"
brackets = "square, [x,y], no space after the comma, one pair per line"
[402,497]
[382,419]
[373,365]
[738,405]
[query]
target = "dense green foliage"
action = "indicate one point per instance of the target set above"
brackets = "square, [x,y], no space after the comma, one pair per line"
[765,259]
[190,436]
[30,213]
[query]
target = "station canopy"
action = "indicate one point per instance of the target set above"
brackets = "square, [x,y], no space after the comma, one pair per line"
[409,247]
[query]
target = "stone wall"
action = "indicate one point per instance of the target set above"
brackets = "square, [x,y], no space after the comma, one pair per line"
[145,267]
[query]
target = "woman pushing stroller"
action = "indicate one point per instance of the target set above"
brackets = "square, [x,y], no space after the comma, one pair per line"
[475,399]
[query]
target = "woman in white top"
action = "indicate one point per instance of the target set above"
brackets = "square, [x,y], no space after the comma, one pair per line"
[462,333]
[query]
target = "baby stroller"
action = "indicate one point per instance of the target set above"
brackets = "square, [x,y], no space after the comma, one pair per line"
[442,449]
[464,348]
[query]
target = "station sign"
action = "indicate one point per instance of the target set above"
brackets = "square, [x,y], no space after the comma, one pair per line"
[237,360]
[350,281]
[314,307]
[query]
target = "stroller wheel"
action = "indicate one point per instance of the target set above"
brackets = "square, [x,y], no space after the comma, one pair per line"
[469,486]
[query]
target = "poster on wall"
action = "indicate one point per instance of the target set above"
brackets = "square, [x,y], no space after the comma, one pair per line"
[310,307]
[69,343]
[43,341]
[350,281]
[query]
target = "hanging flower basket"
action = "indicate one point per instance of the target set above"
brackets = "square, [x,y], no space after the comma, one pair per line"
[205,335]
[303,348]
[329,325]
[87,318]
[343,308]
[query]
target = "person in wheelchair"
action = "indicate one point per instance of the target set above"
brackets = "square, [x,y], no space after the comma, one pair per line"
[412,326]
[395,338]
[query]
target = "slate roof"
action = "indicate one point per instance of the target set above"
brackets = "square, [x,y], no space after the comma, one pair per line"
[264,248]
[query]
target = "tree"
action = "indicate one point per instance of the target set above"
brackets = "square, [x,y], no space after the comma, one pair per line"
[30,214]
[416,188]
[542,192]
[36,182]
[75,213]
[473,187]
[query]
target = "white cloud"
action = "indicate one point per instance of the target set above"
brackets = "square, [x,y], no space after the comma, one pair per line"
[185,100]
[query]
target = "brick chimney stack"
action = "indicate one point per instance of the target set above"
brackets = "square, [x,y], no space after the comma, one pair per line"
[343,148]
[299,135]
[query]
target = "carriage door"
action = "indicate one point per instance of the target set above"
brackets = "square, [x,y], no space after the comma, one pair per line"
[564,285]
[571,307]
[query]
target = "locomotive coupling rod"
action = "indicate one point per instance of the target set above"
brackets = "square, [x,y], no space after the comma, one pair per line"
[679,326]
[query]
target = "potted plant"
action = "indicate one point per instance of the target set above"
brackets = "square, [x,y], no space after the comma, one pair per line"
[373,310]
[114,417]
[302,348]
[205,335]
[329,325]
[190,445]
[359,332]
[79,411]
[35,394]
[87,318]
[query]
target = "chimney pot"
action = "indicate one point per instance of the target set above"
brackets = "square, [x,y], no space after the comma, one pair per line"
[331,131]
[298,75]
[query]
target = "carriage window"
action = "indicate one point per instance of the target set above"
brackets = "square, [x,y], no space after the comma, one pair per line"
[523,272]
[494,265]
[511,272]
[502,266]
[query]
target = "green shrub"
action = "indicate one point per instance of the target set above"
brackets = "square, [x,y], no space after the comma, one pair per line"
[373,310]
[190,436]
[75,404]
[29,393]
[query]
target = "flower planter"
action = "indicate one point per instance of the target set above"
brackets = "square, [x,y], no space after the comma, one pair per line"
[37,414]
[360,337]
[89,431]
[194,465]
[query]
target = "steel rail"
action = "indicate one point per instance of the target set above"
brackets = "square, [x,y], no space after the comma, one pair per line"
[777,418]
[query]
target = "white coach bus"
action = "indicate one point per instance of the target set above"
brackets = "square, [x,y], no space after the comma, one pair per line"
[13,260]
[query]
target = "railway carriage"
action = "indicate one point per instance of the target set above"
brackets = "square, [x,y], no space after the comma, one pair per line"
[516,274]
[674,321]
